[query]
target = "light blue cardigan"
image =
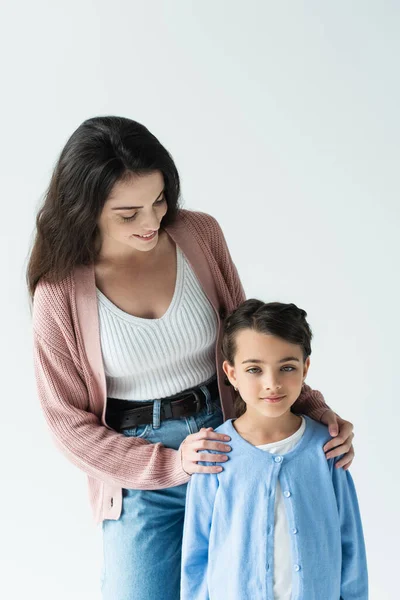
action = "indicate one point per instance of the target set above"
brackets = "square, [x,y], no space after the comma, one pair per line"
[227,550]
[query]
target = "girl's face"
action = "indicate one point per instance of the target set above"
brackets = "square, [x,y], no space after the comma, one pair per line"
[267,371]
[134,209]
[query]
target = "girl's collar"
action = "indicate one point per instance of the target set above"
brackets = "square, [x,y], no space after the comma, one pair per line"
[240,444]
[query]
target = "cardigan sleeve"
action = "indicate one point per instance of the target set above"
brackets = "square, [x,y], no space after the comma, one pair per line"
[354,578]
[201,493]
[311,403]
[226,264]
[109,456]
[211,238]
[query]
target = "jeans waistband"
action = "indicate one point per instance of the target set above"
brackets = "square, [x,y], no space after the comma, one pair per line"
[208,389]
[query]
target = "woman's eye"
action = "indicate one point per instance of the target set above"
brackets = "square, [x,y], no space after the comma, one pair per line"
[253,370]
[125,219]
[160,201]
[288,369]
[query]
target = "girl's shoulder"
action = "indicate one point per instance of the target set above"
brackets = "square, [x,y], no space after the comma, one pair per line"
[319,432]
[225,428]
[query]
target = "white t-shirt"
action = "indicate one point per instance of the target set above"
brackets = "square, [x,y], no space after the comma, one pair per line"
[282,551]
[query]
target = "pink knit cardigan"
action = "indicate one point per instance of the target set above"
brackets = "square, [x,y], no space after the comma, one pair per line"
[71,381]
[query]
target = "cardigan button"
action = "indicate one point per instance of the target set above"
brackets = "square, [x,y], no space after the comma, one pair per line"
[278,459]
[294,530]
[287,494]
[297,567]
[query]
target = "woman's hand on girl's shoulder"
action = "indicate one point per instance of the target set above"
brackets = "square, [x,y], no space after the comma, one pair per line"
[195,443]
[342,442]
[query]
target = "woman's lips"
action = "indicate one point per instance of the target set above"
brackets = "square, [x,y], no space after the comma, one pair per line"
[148,238]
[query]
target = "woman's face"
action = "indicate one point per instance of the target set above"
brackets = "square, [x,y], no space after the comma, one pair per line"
[268,372]
[132,214]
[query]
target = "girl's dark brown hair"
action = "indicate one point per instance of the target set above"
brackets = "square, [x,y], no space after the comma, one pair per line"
[102,151]
[286,321]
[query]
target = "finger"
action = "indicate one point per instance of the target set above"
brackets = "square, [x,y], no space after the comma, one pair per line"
[201,469]
[209,434]
[333,426]
[346,460]
[343,449]
[215,458]
[208,445]
[339,441]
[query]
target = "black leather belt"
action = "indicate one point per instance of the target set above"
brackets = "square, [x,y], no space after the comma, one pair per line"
[125,414]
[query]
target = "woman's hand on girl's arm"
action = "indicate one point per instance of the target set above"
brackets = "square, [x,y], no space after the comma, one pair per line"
[205,439]
[342,442]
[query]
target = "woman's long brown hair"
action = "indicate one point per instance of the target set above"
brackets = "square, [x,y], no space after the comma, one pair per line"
[102,151]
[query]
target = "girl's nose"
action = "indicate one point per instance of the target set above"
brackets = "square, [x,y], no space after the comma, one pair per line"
[272,384]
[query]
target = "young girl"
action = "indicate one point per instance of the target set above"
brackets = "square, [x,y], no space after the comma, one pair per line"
[279,521]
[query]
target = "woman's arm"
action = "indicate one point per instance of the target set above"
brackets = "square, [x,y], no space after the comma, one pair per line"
[128,462]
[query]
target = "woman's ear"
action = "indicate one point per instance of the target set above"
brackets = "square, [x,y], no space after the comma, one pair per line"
[229,371]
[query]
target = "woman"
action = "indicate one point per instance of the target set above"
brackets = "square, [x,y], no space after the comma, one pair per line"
[130,293]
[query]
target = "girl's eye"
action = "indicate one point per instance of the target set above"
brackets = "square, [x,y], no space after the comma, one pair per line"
[288,369]
[160,201]
[253,370]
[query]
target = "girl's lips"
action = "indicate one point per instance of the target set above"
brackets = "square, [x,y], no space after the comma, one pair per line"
[274,399]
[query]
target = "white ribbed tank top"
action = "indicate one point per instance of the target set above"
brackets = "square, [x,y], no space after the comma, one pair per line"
[146,359]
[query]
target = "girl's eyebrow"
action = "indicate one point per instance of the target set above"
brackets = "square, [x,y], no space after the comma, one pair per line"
[136,207]
[258,361]
[253,360]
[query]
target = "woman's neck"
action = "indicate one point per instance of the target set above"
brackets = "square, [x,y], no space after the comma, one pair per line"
[257,429]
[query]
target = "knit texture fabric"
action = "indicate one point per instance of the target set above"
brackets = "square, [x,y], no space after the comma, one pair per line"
[147,359]
[71,380]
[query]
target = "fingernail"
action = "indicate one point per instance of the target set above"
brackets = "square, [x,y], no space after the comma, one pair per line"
[219,469]
[227,438]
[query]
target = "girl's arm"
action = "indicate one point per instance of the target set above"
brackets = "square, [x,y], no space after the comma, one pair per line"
[354,583]
[200,499]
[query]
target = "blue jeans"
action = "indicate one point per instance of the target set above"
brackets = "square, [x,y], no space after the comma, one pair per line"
[142,550]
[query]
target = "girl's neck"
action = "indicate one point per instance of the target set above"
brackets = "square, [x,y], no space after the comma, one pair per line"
[258,430]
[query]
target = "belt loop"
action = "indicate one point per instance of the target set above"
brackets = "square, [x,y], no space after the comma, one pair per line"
[156,414]
[207,395]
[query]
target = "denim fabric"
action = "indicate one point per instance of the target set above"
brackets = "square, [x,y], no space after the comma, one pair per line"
[142,549]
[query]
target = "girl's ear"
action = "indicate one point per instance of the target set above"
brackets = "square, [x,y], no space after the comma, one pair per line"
[229,372]
[306,367]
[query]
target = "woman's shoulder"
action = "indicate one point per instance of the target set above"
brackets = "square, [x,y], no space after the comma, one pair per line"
[198,219]
[52,302]
[203,225]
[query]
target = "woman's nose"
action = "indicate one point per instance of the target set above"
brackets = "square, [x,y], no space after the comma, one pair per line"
[150,221]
